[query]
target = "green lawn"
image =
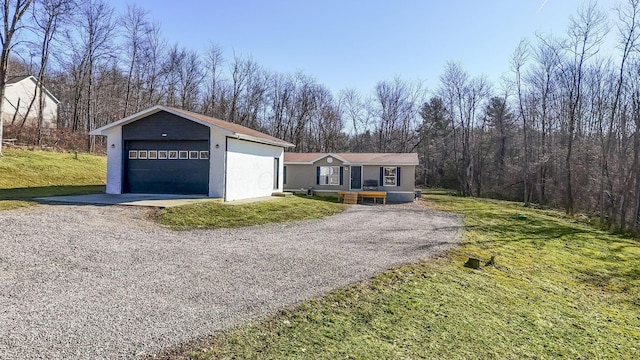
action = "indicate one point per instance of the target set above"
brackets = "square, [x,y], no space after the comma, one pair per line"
[213,215]
[560,289]
[29,174]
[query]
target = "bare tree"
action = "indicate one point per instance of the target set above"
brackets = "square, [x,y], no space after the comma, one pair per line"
[354,112]
[541,89]
[12,13]
[397,105]
[190,78]
[463,96]
[152,58]
[48,15]
[136,27]
[586,32]
[214,62]
[518,61]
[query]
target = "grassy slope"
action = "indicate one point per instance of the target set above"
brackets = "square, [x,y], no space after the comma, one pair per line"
[29,174]
[560,289]
[215,215]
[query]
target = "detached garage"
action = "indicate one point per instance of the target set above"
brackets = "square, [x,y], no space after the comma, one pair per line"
[164,150]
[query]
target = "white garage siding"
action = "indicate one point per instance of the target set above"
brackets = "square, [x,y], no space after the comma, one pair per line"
[114,160]
[250,169]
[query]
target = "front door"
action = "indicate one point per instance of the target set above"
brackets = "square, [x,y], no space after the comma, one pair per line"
[356,177]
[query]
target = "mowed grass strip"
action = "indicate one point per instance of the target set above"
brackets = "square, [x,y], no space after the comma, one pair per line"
[26,174]
[213,215]
[559,289]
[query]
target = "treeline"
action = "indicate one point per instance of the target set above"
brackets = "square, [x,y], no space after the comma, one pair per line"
[560,129]
[104,66]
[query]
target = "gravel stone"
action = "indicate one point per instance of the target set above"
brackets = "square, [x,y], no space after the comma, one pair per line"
[102,282]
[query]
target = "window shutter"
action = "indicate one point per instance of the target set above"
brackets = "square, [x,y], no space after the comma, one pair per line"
[341,175]
[284,174]
[317,175]
[398,176]
[381,182]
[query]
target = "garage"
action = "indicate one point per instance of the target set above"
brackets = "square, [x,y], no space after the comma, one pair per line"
[165,150]
[166,154]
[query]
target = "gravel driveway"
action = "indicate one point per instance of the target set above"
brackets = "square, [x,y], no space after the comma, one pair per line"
[87,282]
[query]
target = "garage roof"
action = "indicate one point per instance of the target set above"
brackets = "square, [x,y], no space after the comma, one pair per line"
[236,130]
[354,158]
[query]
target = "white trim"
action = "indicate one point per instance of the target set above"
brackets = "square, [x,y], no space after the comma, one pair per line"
[329,177]
[385,176]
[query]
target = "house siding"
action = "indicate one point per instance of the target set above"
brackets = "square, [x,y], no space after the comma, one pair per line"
[18,96]
[301,177]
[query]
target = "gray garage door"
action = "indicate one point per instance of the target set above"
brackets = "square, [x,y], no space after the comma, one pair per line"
[166,167]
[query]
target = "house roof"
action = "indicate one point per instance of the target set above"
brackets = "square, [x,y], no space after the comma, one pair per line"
[236,130]
[354,158]
[16,79]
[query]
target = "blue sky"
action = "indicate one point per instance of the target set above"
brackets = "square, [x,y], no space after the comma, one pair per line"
[354,44]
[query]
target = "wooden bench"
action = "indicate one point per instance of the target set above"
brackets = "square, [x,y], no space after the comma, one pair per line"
[350,197]
[374,195]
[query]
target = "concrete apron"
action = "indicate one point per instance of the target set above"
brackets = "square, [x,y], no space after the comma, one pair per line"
[149,200]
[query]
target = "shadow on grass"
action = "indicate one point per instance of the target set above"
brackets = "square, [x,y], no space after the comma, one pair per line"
[27,194]
[330,199]
[517,231]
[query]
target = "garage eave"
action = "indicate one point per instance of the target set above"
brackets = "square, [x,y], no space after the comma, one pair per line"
[262,141]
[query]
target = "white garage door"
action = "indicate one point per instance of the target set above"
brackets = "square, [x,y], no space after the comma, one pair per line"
[251,169]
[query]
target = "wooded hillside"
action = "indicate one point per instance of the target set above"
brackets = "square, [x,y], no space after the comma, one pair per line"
[561,128]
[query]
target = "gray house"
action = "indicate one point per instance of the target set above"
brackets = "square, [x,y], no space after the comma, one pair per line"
[331,173]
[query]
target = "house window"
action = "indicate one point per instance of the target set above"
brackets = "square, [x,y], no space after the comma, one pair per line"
[329,175]
[183,154]
[162,154]
[390,178]
[193,155]
[133,154]
[153,154]
[276,173]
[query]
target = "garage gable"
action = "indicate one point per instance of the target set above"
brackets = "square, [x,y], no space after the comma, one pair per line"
[164,126]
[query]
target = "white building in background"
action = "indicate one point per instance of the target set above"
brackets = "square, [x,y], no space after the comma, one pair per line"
[20,106]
